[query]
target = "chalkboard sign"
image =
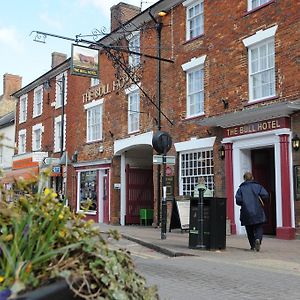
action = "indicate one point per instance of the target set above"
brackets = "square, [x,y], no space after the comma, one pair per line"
[180,217]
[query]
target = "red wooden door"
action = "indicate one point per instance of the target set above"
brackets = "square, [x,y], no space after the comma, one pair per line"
[105,185]
[263,170]
[139,193]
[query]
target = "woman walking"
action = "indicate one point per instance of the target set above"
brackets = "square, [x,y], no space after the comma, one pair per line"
[250,196]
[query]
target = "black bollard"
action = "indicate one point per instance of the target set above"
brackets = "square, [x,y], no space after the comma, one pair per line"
[200,213]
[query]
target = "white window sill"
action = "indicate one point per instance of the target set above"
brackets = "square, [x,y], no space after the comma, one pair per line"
[194,116]
[35,116]
[91,213]
[133,132]
[94,141]
[253,101]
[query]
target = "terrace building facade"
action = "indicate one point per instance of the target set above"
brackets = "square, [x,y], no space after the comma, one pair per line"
[226,82]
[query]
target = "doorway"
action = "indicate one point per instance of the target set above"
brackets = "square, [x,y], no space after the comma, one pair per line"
[263,170]
[139,193]
[105,197]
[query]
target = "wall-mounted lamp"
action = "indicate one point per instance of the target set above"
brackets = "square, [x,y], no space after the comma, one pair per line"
[75,157]
[47,88]
[296,142]
[162,13]
[222,152]
[225,103]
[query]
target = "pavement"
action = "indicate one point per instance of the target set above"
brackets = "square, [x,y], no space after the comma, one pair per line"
[177,243]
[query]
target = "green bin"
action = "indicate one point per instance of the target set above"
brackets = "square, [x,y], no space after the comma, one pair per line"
[146,216]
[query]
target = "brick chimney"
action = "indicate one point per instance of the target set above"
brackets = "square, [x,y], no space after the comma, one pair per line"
[57,59]
[11,84]
[121,13]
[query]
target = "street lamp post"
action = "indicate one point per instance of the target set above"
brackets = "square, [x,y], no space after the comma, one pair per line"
[158,27]
[62,129]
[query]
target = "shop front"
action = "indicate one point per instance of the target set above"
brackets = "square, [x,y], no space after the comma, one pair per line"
[90,188]
[24,167]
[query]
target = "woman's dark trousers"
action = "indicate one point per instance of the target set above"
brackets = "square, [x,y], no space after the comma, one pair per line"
[254,232]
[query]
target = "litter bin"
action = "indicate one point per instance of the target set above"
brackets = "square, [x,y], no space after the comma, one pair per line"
[207,223]
[146,216]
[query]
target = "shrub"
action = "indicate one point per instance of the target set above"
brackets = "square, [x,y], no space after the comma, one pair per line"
[42,240]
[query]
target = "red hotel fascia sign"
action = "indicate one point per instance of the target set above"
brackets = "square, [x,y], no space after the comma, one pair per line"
[257,127]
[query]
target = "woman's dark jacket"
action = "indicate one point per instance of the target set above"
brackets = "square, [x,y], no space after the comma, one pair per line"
[246,196]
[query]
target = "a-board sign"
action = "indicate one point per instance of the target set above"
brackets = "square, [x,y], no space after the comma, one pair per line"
[183,207]
[180,217]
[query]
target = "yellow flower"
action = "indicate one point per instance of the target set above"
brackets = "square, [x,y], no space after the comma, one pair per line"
[23,201]
[8,237]
[60,216]
[1,278]
[53,195]
[61,233]
[47,191]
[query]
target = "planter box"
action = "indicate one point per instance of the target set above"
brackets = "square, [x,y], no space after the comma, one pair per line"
[58,290]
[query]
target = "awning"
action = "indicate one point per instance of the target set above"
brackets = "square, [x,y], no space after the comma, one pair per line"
[26,174]
[253,114]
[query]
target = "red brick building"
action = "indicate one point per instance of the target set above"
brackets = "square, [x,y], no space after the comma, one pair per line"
[228,79]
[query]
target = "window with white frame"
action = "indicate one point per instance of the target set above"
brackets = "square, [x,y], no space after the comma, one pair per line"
[57,134]
[61,85]
[23,108]
[261,62]
[22,141]
[38,101]
[194,18]
[133,109]
[194,165]
[37,131]
[94,81]
[252,4]
[194,86]
[134,45]
[94,120]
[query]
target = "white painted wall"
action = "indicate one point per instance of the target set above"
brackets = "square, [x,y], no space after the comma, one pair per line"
[8,146]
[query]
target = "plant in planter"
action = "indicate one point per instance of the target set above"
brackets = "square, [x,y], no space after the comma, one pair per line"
[42,240]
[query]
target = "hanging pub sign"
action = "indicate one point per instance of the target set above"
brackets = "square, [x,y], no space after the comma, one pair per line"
[84,61]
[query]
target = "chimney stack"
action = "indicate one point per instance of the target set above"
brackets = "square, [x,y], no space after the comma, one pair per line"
[57,59]
[121,13]
[11,84]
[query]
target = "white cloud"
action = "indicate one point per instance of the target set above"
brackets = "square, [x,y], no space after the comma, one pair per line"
[9,38]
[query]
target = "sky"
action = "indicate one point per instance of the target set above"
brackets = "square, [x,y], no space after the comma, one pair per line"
[21,55]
